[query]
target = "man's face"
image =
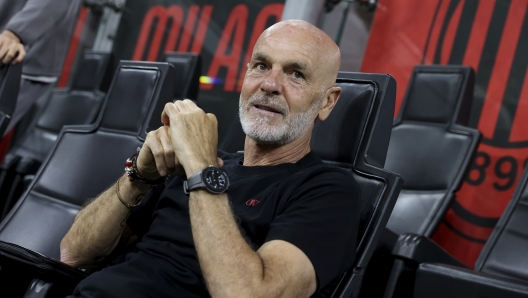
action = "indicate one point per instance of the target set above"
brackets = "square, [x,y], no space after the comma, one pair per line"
[282,91]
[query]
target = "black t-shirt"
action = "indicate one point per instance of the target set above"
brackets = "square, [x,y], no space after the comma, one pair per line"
[308,204]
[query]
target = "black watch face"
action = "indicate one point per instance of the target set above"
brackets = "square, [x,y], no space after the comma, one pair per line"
[215,180]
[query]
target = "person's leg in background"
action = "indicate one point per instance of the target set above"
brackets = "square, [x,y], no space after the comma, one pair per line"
[29,92]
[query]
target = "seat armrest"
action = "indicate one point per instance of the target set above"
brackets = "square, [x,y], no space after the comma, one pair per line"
[27,181]
[22,261]
[414,248]
[38,289]
[387,241]
[10,161]
[27,166]
[437,280]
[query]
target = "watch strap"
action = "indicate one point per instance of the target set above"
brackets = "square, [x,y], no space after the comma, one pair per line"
[195,181]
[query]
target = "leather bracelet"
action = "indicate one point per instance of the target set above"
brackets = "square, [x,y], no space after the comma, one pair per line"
[133,172]
[123,201]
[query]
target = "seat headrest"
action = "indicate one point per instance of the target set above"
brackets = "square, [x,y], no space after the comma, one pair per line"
[439,93]
[353,124]
[187,78]
[138,83]
[90,71]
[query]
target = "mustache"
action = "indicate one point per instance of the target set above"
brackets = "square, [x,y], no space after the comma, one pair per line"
[269,100]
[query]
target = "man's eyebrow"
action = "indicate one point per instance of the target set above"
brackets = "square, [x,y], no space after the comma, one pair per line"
[260,57]
[296,65]
[292,64]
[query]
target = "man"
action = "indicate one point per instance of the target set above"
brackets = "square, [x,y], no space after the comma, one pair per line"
[287,224]
[36,32]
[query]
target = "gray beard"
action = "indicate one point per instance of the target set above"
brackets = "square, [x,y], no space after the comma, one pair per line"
[263,132]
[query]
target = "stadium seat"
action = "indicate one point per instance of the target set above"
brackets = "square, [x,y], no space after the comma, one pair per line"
[501,269]
[356,137]
[187,78]
[84,161]
[9,85]
[78,104]
[432,150]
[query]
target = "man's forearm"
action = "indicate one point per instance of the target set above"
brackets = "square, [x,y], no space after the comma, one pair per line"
[97,228]
[230,266]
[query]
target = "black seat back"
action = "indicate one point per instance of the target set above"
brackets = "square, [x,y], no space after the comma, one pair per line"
[429,148]
[504,253]
[187,79]
[88,159]
[79,104]
[9,85]
[356,137]
[91,71]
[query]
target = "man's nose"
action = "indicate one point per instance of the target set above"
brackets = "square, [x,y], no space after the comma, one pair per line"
[273,83]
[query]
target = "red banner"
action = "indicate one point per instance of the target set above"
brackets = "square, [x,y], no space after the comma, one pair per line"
[223,32]
[492,37]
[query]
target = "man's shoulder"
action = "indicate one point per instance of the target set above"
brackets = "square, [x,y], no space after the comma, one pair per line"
[321,168]
[322,176]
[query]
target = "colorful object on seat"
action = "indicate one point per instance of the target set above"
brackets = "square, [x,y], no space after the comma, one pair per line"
[210,80]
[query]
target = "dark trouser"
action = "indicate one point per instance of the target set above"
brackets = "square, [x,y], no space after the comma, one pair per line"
[29,92]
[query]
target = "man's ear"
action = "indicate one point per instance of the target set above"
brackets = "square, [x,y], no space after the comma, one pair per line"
[331,97]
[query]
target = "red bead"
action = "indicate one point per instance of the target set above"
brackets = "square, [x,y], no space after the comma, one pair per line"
[128,163]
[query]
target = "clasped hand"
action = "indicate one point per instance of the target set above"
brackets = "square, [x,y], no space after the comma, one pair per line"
[185,144]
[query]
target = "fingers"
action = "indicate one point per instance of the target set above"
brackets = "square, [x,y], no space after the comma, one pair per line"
[9,48]
[186,105]
[220,162]
[179,106]
[11,53]
[190,104]
[3,50]
[21,55]
[161,149]
[168,151]
[164,117]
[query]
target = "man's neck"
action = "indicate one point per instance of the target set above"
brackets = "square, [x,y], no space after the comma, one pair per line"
[271,155]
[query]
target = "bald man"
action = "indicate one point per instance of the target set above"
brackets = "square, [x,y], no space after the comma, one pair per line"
[273,221]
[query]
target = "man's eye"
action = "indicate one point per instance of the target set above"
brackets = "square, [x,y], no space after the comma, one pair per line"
[298,75]
[261,66]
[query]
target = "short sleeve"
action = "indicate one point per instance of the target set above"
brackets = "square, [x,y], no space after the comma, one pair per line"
[321,219]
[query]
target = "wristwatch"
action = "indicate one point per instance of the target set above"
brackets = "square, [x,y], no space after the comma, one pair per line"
[212,179]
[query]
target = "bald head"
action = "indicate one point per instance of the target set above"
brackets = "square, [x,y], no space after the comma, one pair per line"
[323,51]
[289,83]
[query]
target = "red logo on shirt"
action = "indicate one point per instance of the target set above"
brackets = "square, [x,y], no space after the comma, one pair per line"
[252,202]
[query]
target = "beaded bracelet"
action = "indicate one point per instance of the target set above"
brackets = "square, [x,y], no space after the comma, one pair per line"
[133,172]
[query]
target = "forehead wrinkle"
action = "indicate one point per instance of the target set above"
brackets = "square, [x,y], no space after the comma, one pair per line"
[290,63]
[307,45]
